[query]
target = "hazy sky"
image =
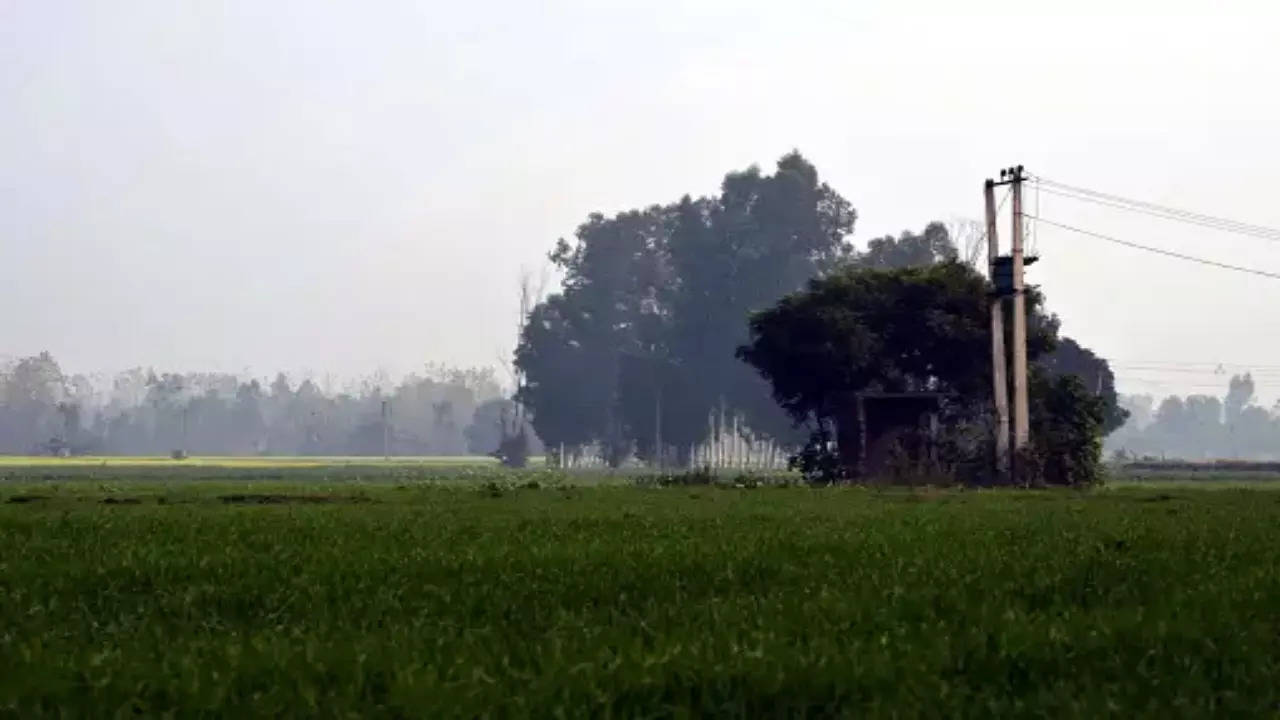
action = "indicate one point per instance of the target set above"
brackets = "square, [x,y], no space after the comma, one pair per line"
[341,186]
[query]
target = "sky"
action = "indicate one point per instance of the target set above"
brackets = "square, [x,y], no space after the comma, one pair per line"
[341,187]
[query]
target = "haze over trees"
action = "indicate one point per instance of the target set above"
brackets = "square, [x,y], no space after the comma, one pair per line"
[441,411]
[1201,427]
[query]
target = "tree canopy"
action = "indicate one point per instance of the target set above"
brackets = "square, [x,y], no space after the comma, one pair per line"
[900,330]
[653,306]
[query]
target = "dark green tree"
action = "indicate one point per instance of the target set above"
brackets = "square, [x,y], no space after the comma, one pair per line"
[653,305]
[901,330]
[1067,425]
[911,329]
[763,237]
[1070,358]
[572,346]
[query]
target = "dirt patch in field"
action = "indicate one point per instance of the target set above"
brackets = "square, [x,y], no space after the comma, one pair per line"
[280,499]
[19,499]
[121,501]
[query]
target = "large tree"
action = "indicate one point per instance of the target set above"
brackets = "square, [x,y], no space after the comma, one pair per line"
[572,347]
[764,237]
[901,330]
[652,309]
[913,329]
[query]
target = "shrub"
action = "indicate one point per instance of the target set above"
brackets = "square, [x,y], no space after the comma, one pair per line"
[1066,432]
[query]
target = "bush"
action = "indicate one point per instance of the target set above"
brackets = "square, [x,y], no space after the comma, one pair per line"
[1066,432]
[818,461]
[513,451]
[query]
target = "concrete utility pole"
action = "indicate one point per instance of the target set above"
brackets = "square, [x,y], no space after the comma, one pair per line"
[999,380]
[1007,276]
[1021,422]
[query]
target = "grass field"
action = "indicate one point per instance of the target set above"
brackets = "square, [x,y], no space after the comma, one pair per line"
[408,597]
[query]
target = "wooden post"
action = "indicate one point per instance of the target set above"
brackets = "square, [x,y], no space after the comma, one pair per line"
[1021,422]
[999,380]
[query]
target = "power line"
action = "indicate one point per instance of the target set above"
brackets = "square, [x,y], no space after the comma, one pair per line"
[1260,233]
[1162,211]
[1159,251]
[1208,364]
[1171,385]
[1220,368]
[1149,205]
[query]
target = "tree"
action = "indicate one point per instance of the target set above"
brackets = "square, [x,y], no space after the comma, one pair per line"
[145,412]
[934,245]
[1067,420]
[764,237]
[1205,430]
[1171,424]
[1239,394]
[571,347]
[249,422]
[911,329]
[29,395]
[653,303]
[484,434]
[1070,358]
[901,330]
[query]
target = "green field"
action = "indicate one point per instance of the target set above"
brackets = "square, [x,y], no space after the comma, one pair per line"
[530,595]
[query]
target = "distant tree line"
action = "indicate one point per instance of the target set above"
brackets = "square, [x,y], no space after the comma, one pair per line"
[1200,427]
[440,411]
[661,305]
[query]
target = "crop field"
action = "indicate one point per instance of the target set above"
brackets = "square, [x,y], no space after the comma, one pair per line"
[536,594]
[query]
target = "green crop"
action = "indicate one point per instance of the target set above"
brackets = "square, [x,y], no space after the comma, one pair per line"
[540,599]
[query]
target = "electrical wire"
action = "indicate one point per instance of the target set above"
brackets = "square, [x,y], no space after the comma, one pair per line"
[1158,251]
[1161,211]
[1035,229]
[1206,364]
[1256,232]
[1142,203]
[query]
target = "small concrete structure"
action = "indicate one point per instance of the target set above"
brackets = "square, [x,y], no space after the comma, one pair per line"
[882,424]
